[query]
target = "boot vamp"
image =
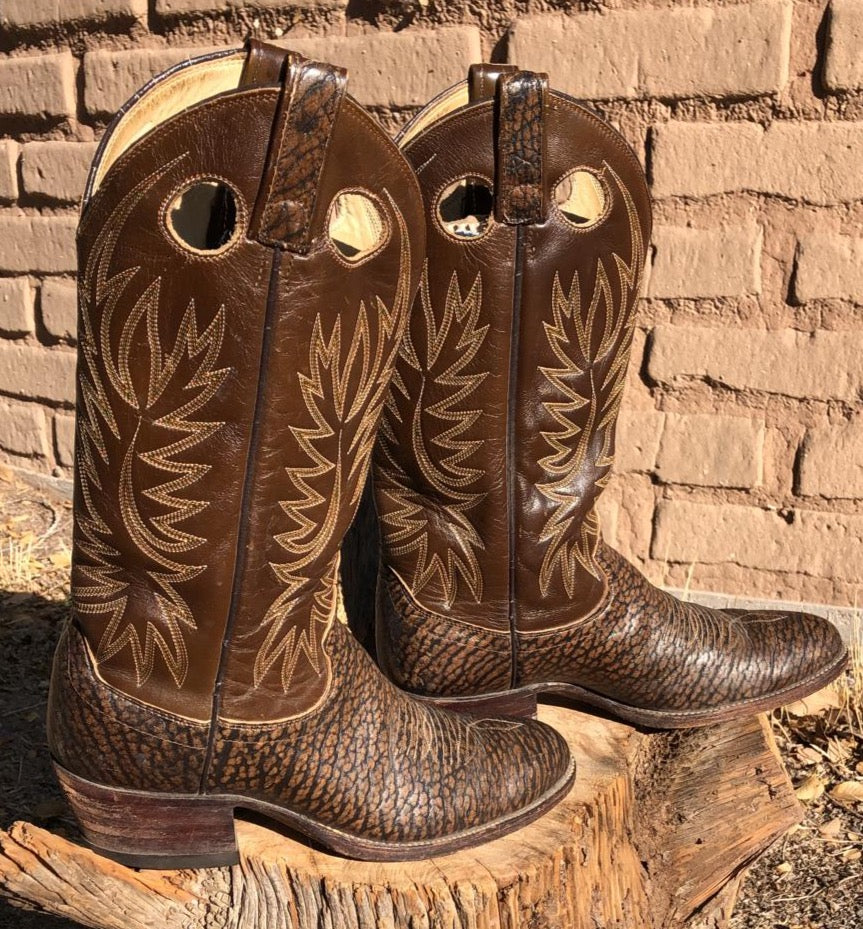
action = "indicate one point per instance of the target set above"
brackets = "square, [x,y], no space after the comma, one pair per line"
[645,648]
[375,762]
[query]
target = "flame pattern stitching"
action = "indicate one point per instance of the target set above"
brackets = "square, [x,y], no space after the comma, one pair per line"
[344,399]
[599,354]
[451,347]
[180,381]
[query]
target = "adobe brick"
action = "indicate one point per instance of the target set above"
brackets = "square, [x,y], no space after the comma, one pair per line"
[64,439]
[694,263]
[33,371]
[37,243]
[805,541]
[740,50]
[638,435]
[831,461]
[813,161]
[38,85]
[56,169]
[59,306]
[819,365]
[829,265]
[626,514]
[405,68]
[23,430]
[9,169]
[16,305]
[31,13]
[705,449]
[375,62]
[111,77]
[843,65]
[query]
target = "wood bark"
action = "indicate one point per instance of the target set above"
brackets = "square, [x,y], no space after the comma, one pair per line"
[656,834]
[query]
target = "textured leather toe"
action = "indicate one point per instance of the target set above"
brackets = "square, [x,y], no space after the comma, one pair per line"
[370,761]
[787,650]
[646,649]
[373,761]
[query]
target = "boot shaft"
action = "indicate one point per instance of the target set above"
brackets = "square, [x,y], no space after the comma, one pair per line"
[231,377]
[498,434]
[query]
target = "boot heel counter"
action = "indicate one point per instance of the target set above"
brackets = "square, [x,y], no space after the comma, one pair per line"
[60,706]
[99,733]
[430,655]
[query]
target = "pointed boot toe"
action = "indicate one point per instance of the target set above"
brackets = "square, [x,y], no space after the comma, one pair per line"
[788,655]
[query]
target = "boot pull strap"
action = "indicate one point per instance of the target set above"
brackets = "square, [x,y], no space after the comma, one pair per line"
[311,95]
[482,79]
[264,63]
[520,168]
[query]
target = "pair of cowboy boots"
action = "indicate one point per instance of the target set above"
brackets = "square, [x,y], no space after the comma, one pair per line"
[250,246]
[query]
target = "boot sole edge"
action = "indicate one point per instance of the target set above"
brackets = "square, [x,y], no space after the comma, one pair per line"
[106,815]
[523,701]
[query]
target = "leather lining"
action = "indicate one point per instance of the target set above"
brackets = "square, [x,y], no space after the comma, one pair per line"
[165,99]
[447,102]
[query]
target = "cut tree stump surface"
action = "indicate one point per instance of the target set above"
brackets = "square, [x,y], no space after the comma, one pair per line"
[656,833]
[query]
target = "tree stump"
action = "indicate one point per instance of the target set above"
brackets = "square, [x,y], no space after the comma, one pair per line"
[656,834]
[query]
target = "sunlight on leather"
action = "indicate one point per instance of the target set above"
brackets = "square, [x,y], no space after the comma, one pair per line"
[169,97]
[581,198]
[356,225]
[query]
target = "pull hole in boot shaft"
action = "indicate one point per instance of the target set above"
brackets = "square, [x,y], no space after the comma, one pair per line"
[465,207]
[203,216]
[357,227]
[581,198]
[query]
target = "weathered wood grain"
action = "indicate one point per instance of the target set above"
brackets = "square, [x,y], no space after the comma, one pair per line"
[655,834]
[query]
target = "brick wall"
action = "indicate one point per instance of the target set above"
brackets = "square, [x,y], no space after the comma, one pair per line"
[741,443]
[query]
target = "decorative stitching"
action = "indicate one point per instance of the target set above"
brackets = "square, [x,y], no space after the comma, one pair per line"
[582,348]
[446,470]
[343,396]
[106,368]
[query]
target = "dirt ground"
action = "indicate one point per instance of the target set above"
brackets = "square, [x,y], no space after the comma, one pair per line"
[811,879]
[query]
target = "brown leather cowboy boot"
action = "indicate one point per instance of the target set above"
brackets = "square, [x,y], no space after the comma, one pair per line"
[498,437]
[249,245]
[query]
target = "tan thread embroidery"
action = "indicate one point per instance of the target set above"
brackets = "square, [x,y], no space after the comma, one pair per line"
[169,387]
[598,353]
[343,392]
[450,348]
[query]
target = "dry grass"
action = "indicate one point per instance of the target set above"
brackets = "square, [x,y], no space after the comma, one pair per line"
[851,685]
[34,540]
[813,878]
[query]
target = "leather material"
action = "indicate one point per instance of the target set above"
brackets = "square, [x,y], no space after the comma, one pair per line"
[437,656]
[642,648]
[265,64]
[308,108]
[520,189]
[499,432]
[482,79]
[372,761]
[228,401]
[472,415]
[176,375]
[109,737]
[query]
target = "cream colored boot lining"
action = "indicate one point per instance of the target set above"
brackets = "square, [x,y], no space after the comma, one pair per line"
[169,97]
[355,225]
[454,98]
